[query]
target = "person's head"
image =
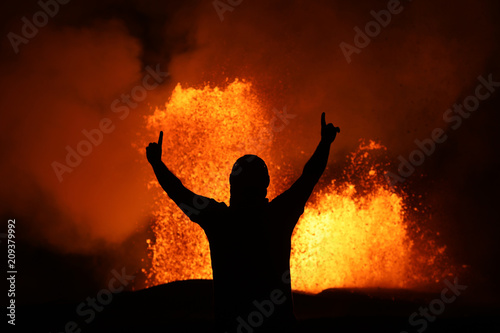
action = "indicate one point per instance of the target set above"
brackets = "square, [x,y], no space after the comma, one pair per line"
[249,180]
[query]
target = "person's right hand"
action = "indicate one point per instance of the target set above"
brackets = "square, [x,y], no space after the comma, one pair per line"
[328,131]
[153,151]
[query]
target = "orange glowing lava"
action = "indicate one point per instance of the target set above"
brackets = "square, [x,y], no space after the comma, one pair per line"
[354,232]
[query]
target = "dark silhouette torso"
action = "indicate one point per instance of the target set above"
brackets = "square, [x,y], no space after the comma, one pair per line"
[250,251]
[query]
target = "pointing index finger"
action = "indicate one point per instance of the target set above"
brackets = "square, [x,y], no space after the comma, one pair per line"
[323,121]
[160,139]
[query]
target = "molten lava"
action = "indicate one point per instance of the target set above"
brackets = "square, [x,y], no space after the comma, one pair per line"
[354,232]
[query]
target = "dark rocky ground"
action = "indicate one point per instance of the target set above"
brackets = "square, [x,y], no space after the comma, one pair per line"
[186,307]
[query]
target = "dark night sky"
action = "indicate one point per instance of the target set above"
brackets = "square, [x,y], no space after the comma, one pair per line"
[71,234]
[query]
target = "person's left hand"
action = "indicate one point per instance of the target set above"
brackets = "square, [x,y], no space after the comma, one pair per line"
[328,131]
[153,151]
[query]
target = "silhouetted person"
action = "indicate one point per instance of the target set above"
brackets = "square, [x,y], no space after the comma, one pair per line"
[250,241]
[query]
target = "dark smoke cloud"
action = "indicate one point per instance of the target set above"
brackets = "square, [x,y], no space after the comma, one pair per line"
[395,91]
[62,83]
[409,74]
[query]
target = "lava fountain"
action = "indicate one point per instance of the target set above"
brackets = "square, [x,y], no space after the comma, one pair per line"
[354,231]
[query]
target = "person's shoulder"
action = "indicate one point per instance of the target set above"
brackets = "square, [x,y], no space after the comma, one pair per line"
[281,202]
[207,209]
[214,204]
[282,198]
[287,204]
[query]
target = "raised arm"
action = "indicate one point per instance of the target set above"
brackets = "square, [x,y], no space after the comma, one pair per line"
[317,163]
[190,203]
[298,194]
